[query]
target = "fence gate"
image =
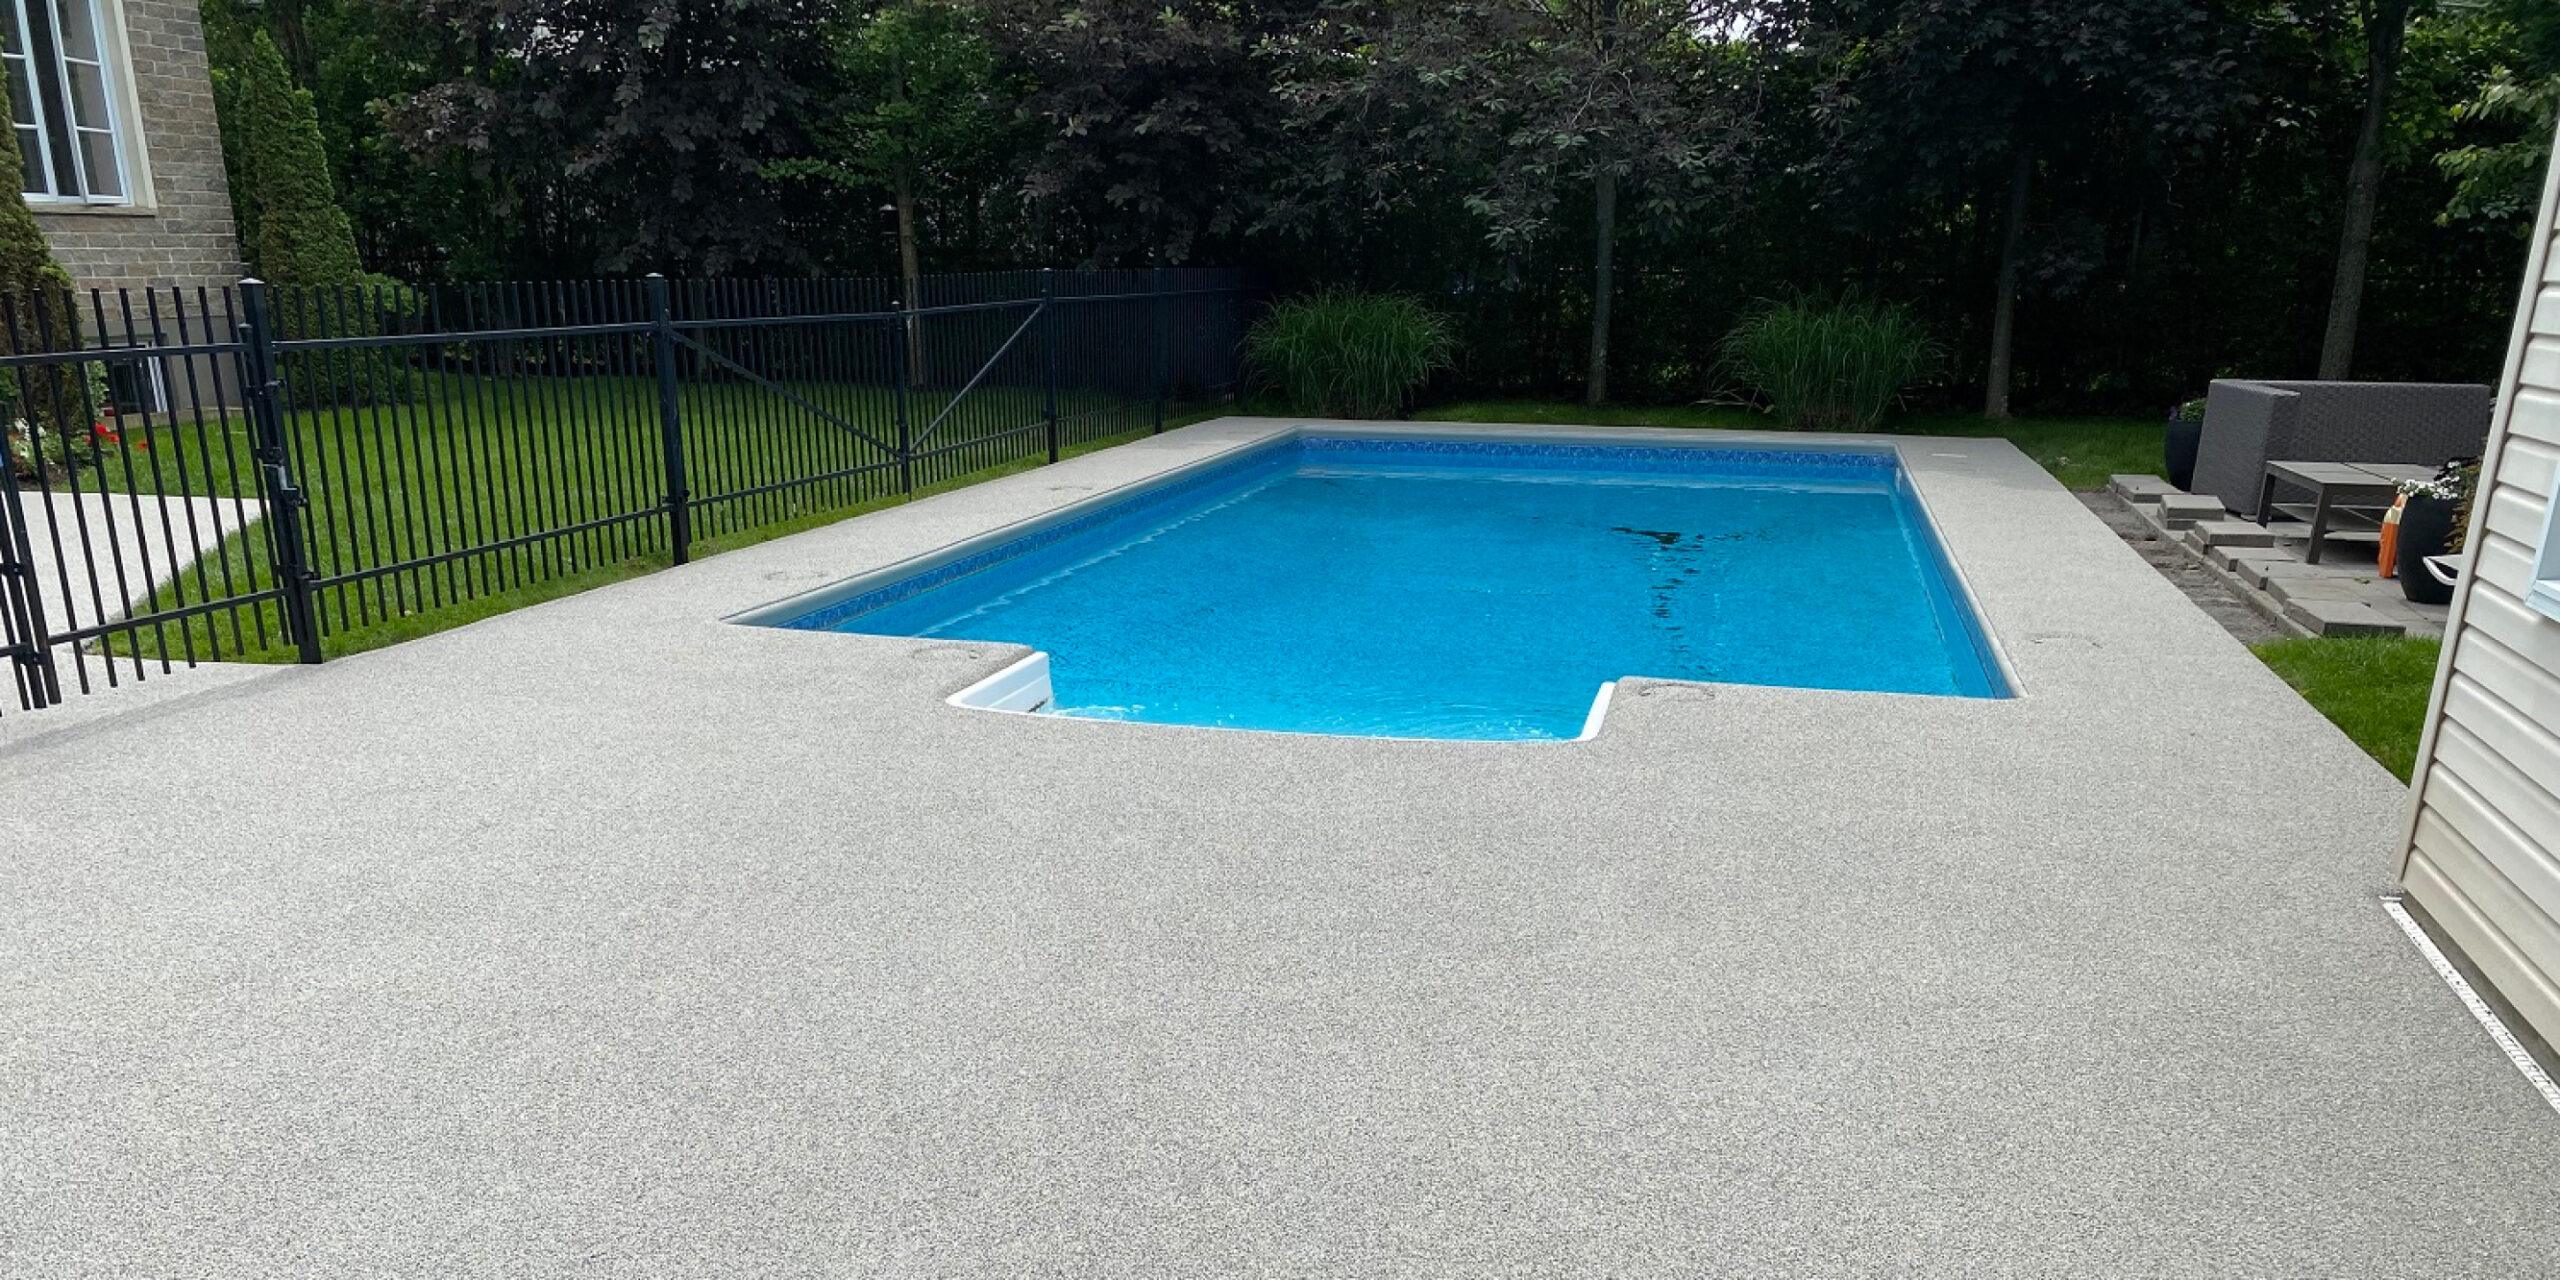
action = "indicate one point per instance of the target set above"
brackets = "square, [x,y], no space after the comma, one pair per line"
[128,485]
[31,673]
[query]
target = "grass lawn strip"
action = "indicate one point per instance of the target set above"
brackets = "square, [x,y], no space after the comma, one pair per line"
[2373,687]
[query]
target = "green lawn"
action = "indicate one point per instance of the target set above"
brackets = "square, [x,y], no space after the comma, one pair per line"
[2375,688]
[467,462]
[2082,452]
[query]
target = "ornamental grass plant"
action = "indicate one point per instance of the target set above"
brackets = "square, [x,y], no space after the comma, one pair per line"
[1829,365]
[1341,353]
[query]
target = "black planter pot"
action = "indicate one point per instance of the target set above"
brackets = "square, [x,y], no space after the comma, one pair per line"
[2426,529]
[2178,450]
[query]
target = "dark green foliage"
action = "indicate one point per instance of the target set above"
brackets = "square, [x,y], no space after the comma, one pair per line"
[26,261]
[293,231]
[1343,354]
[45,411]
[295,236]
[2460,481]
[2188,163]
[918,114]
[415,216]
[1830,366]
[2009,111]
[646,128]
[1517,108]
[1522,111]
[1158,120]
[2504,128]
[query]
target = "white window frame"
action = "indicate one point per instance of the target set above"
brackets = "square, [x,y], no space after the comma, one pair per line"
[2544,592]
[122,130]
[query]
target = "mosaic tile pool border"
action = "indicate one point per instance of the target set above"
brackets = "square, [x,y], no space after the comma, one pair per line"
[1619,457]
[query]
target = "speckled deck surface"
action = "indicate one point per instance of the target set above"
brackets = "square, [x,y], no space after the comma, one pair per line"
[606,938]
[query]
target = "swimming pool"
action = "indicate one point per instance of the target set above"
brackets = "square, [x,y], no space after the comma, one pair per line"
[1438,588]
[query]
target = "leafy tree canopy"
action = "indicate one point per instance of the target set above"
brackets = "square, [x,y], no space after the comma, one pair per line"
[1524,165]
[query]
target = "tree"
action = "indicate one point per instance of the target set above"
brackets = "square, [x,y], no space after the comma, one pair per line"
[1976,100]
[27,266]
[2501,181]
[918,97]
[1155,119]
[647,125]
[2386,34]
[297,234]
[415,216]
[41,315]
[1537,100]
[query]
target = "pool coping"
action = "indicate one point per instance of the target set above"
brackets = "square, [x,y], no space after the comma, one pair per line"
[1979,632]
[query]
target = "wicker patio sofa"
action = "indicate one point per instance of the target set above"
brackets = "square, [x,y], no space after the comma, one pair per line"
[2247,424]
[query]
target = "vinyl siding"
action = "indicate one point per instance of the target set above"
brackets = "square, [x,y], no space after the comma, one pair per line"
[2483,850]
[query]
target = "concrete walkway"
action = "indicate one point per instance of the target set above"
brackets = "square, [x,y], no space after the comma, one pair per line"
[96,556]
[99,554]
[606,939]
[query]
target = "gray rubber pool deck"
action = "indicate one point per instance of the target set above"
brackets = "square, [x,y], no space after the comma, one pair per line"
[603,938]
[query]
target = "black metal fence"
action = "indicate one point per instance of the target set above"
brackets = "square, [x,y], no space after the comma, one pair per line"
[204,474]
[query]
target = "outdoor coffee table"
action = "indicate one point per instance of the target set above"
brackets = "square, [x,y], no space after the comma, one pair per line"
[2352,494]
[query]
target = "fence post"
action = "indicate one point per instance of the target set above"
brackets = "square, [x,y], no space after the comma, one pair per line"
[263,386]
[898,357]
[1161,361]
[1049,357]
[662,352]
[22,623]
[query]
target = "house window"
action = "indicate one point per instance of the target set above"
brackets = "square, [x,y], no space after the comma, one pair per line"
[136,386]
[62,98]
[2545,594]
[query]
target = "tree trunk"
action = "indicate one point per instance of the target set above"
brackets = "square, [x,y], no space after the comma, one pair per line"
[2386,30]
[903,196]
[910,279]
[2004,310]
[293,39]
[1604,226]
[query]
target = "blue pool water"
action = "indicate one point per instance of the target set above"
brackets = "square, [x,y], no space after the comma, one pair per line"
[1448,590]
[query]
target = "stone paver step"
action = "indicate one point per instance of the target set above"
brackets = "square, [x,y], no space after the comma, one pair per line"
[2342,618]
[2256,567]
[2290,587]
[2260,566]
[2231,533]
[2184,510]
[2140,489]
[2241,560]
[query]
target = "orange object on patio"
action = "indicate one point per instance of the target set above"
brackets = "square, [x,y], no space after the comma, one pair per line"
[2386,554]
